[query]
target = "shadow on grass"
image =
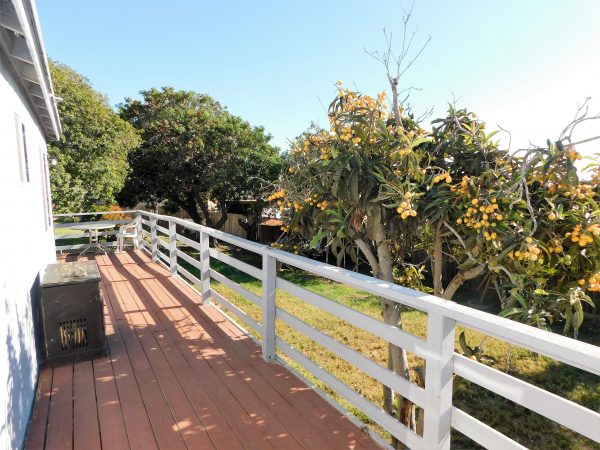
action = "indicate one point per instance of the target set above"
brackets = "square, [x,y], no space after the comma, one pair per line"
[521,424]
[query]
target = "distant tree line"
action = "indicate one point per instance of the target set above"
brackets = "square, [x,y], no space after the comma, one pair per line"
[180,149]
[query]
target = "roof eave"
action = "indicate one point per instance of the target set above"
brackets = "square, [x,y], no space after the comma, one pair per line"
[22,42]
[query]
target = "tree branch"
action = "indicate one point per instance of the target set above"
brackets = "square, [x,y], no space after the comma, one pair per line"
[204,208]
[460,278]
[224,215]
[437,261]
[369,254]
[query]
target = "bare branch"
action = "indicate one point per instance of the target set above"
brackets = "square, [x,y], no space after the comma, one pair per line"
[509,136]
[402,63]
[415,57]
[428,113]
[455,233]
[580,116]
[460,278]
[586,140]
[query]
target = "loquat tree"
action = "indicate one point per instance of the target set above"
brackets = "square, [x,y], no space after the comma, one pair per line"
[376,188]
[356,186]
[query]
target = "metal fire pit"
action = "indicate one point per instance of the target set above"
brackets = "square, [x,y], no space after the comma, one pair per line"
[72,314]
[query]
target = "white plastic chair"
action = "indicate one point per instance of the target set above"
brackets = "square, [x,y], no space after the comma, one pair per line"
[129,230]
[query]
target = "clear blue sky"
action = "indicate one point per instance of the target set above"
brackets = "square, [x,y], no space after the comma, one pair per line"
[522,64]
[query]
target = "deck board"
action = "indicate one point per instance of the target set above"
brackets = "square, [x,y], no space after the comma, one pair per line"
[192,430]
[110,415]
[59,431]
[287,402]
[39,418]
[263,419]
[294,390]
[137,423]
[178,375]
[85,410]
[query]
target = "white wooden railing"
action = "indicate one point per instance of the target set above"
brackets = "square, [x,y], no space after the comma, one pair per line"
[438,351]
[81,235]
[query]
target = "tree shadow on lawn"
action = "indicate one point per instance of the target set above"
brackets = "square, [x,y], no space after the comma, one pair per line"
[521,424]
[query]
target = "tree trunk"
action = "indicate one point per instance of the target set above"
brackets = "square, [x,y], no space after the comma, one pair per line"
[193,213]
[382,265]
[399,360]
[224,215]
[395,101]
[437,262]
[206,213]
[249,227]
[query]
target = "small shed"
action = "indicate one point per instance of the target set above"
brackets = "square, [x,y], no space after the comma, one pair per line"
[270,230]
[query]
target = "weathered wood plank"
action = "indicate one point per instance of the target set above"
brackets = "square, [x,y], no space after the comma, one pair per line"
[221,431]
[110,414]
[279,397]
[135,416]
[138,316]
[86,433]
[168,353]
[323,418]
[36,436]
[251,416]
[59,434]
[158,412]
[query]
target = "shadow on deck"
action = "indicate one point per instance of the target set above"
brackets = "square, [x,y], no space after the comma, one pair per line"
[178,375]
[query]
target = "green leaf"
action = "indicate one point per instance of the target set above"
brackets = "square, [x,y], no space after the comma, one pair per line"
[508,312]
[468,264]
[354,188]
[419,141]
[518,297]
[462,340]
[317,238]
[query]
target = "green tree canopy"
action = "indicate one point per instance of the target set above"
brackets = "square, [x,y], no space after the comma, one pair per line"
[378,186]
[528,221]
[193,152]
[92,152]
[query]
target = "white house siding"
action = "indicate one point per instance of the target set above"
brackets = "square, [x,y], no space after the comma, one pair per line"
[26,247]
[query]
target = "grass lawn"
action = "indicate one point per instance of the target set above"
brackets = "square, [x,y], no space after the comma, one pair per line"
[78,236]
[60,232]
[528,428]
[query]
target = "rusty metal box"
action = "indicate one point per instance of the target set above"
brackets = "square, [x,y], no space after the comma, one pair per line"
[72,312]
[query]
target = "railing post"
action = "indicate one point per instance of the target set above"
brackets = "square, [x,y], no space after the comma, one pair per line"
[138,231]
[204,258]
[269,268]
[153,239]
[172,247]
[439,370]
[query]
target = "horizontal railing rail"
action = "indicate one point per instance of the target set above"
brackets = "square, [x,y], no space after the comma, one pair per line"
[441,360]
[82,234]
[96,213]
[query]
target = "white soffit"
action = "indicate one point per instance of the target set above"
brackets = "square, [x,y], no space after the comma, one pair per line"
[21,41]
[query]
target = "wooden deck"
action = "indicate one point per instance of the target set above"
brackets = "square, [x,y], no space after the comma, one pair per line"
[179,375]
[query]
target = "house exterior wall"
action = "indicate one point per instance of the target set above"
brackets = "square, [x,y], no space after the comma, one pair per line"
[26,247]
